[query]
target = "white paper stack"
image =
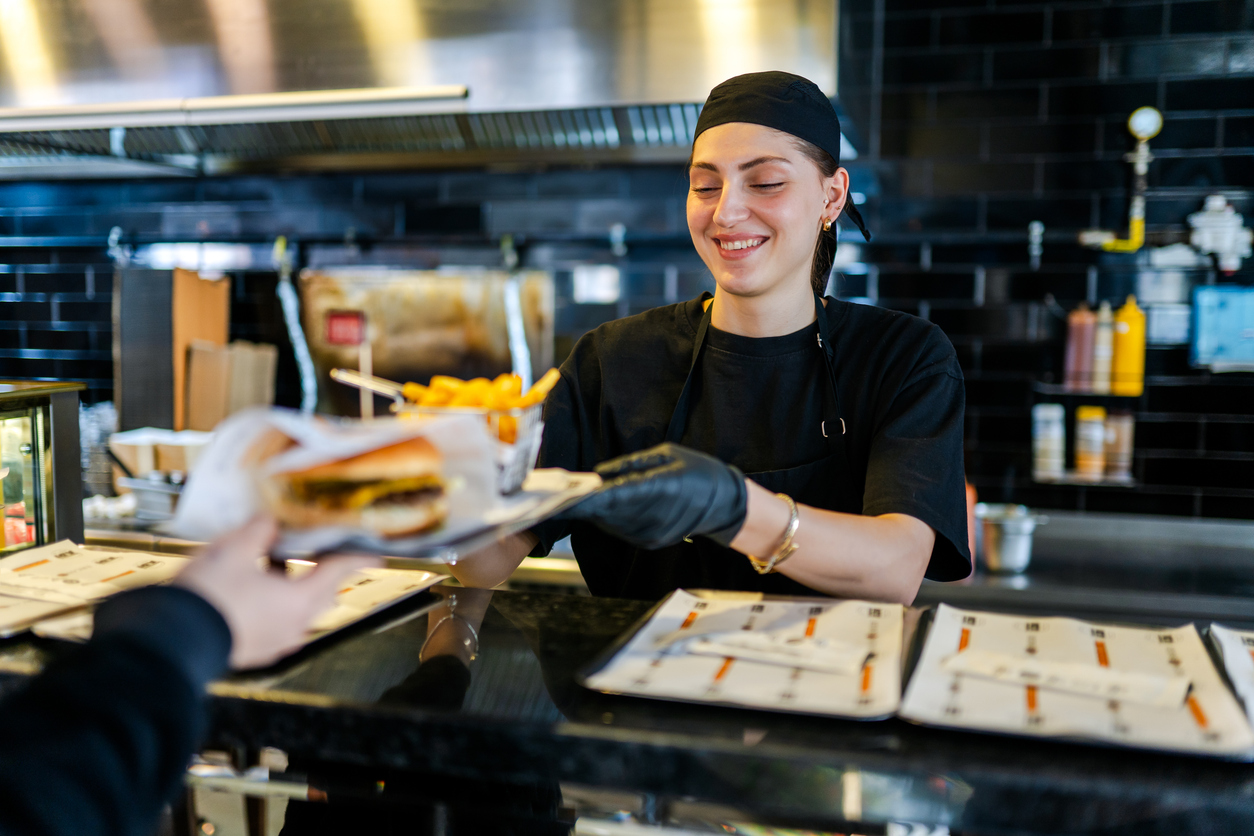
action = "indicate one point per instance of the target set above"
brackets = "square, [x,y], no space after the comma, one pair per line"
[1059,677]
[841,658]
[41,582]
[362,595]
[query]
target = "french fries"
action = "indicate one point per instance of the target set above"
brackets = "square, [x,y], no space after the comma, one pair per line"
[500,395]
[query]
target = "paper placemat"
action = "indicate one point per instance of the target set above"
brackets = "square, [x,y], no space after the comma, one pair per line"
[1208,721]
[670,656]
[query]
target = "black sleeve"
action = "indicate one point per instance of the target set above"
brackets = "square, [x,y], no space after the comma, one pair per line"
[98,743]
[560,447]
[915,466]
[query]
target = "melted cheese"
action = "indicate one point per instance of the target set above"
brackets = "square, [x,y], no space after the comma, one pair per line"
[353,495]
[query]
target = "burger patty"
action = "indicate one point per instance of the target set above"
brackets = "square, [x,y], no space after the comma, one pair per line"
[410,497]
[337,494]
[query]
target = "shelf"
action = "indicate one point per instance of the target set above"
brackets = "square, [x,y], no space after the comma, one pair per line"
[1072,478]
[1153,381]
[1057,389]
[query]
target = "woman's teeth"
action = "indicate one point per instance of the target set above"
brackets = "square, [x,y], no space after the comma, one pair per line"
[740,245]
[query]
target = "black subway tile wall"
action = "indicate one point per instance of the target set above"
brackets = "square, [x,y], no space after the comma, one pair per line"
[56,276]
[984,116]
[987,116]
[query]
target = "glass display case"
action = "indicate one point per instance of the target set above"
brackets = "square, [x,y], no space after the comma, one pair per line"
[40,464]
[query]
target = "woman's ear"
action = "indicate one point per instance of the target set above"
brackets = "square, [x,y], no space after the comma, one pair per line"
[836,192]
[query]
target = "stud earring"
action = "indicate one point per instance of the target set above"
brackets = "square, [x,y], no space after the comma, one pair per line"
[827,224]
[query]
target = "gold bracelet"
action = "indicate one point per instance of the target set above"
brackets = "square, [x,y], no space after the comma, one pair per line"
[786,547]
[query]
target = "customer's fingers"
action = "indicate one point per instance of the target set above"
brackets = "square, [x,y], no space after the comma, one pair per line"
[248,542]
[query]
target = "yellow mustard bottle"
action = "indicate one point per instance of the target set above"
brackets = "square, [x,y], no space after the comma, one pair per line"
[1128,365]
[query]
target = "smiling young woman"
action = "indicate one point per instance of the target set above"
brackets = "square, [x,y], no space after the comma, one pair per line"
[765,438]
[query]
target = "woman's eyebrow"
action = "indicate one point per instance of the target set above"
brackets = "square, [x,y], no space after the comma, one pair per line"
[743,166]
[761,160]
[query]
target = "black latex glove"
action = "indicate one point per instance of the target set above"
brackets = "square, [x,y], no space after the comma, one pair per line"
[659,496]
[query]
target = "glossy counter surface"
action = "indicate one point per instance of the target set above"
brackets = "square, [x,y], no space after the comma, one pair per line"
[375,701]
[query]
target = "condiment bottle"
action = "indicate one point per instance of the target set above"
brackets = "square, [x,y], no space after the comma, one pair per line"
[1090,442]
[1081,328]
[1119,433]
[1128,367]
[1049,442]
[1103,349]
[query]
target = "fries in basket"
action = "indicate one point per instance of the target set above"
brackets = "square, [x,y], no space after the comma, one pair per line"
[502,398]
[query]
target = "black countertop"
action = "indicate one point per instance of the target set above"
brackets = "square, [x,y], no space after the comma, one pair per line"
[361,709]
[1132,568]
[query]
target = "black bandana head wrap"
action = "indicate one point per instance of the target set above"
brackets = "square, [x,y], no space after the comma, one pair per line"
[782,101]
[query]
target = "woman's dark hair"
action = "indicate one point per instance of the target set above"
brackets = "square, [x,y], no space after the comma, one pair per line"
[825,247]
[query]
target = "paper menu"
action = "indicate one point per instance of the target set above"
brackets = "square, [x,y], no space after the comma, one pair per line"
[40,582]
[368,592]
[657,662]
[1237,649]
[1208,722]
[363,594]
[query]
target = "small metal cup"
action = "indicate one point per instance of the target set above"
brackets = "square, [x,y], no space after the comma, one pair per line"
[1005,542]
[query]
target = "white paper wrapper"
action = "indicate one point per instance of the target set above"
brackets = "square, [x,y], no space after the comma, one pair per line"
[1088,680]
[223,492]
[790,651]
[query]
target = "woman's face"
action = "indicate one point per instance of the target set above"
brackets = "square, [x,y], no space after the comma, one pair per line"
[755,207]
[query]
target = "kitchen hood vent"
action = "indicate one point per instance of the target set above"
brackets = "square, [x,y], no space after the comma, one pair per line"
[252,85]
[650,133]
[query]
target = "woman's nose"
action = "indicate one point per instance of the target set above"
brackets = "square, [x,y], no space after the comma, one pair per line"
[731,207]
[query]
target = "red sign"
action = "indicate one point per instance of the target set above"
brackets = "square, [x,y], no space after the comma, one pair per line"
[346,327]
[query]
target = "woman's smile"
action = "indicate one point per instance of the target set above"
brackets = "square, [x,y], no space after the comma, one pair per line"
[739,246]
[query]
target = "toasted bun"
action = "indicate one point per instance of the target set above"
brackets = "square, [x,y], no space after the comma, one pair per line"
[390,519]
[414,457]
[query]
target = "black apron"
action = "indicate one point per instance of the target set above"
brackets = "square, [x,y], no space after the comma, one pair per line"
[612,567]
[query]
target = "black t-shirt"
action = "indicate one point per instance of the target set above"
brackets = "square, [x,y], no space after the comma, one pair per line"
[759,403]
[759,406]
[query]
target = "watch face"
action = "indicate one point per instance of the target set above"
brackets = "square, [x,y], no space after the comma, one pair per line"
[1145,122]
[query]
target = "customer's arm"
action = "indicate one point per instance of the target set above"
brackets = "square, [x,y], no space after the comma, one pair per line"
[97,744]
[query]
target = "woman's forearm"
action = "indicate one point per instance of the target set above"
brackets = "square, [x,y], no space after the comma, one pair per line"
[494,564]
[881,558]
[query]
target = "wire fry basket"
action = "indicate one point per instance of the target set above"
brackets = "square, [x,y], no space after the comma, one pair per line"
[518,432]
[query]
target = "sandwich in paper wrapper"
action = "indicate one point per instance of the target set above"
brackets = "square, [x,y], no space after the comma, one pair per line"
[331,483]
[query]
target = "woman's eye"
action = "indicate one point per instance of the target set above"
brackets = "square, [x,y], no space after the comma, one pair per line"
[765,186]
[704,189]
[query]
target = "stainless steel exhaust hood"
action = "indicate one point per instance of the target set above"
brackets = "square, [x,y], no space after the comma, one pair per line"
[95,87]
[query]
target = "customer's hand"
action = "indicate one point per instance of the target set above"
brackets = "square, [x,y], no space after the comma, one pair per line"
[269,613]
[659,496]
